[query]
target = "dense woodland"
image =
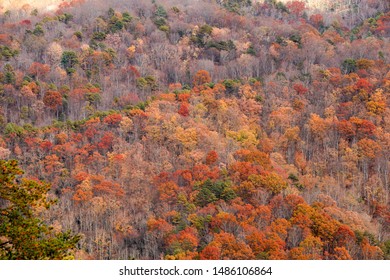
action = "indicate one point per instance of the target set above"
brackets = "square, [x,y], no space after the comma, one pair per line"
[202,129]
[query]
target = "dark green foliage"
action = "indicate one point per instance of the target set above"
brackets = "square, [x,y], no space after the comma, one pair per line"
[7,53]
[38,31]
[349,66]
[372,22]
[160,12]
[93,98]
[231,86]
[251,51]
[13,129]
[228,194]
[202,34]
[210,85]
[27,79]
[386,249]
[221,45]
[206,29]
[151,81]
[65,18]
[160,22]
[9,74]
[205,196]
[295,181]
[262,256]
[24,235]
[79,35]
[9,78]
[213,191]
[259,98]
[293,177]
[141,83]
[126,17]
[99,36]
[93,44]
[186,87]
[115,24]
[69,60]
[160,19]
[110,12]
[361,235]
[236,5]
[281,7]
[296,38]
[142,105]
[281,41]
[147,83]
[202,222]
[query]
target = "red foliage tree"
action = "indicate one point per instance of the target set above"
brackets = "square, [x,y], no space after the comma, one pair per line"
[184,109]
[296,7]
[113,119]
[317,20]
[52,99]
[106,141]
[38,69]
[300,89]
[211,157]
[231,248]
[210,252]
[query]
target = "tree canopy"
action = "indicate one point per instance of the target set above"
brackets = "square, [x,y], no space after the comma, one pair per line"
[23,234]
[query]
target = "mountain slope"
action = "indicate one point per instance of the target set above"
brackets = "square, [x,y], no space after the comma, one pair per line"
[194,130]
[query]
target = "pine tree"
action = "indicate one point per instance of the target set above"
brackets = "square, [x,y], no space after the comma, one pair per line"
[23,235]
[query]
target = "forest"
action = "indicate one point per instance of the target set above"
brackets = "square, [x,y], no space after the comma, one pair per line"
[179,129]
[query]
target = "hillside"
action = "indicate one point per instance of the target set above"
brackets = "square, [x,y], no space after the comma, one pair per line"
[202,129]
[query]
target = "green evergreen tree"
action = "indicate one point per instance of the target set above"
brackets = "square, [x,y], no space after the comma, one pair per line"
[69,60]
[23,235]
